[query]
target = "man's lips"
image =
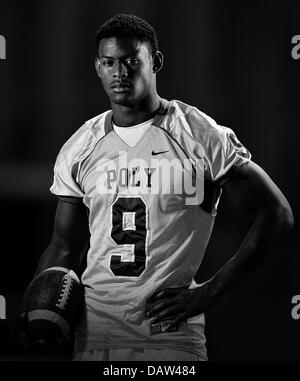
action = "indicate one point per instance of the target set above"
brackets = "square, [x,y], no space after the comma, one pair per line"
[120,85]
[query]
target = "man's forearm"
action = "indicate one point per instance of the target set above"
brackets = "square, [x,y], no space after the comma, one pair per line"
[266,231]
[56,256]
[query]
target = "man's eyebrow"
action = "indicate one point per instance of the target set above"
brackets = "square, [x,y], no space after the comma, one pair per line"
[130,54]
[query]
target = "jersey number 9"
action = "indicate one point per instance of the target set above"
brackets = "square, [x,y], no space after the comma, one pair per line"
[135,235]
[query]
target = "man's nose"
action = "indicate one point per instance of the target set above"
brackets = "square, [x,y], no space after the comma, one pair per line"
[120,70]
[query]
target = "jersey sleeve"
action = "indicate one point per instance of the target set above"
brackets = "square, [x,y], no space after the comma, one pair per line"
[220,148]
[67,165]
[64,183]
[227,154]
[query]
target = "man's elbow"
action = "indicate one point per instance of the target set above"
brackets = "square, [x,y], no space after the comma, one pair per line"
[284,218]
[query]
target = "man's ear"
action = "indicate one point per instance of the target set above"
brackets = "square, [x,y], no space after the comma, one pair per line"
[97,66]
[158,61]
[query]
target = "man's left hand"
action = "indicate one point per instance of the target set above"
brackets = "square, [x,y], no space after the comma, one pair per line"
[177,304]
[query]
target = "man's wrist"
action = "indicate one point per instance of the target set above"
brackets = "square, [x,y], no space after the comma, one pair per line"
[214,290]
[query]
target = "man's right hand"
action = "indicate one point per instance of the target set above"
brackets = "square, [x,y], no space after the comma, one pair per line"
[22,340]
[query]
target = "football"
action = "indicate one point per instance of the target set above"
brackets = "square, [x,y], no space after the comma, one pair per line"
[53,302]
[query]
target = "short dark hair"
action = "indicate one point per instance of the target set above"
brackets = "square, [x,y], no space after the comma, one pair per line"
[127,25]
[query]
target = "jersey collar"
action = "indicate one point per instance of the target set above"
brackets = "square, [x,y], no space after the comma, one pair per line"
[158,120]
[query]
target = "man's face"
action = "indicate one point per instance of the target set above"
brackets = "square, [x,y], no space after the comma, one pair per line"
[125,66]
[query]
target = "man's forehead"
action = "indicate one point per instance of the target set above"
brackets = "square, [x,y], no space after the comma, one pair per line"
[122,45]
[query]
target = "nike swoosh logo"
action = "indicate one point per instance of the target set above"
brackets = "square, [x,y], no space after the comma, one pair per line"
[158,153]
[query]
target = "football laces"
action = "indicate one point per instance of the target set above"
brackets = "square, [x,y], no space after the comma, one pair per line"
[65,292]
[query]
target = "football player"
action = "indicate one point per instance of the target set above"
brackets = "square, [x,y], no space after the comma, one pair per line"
[141,184]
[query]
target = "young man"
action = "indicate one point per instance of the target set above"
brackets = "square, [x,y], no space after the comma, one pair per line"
[149,172]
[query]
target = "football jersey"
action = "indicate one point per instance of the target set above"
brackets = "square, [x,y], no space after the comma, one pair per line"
[150,219]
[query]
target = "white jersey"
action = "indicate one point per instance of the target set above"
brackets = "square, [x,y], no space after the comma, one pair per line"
[148,231]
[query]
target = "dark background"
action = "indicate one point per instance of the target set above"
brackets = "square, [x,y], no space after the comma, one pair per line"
[230,59]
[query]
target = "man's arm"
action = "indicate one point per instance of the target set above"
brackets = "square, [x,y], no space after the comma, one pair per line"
[69,238]
[67,246]
[253,192]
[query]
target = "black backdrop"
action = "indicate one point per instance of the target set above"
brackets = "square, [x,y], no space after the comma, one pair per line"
[230,59]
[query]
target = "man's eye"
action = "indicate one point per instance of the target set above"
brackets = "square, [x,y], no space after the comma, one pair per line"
[107,63]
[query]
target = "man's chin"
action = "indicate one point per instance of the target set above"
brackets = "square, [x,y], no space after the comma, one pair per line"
[122,99]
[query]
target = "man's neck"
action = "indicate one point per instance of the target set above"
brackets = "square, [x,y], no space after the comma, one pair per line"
[125,116]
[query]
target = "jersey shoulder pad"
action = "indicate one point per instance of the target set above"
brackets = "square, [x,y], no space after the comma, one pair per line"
[84,139]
